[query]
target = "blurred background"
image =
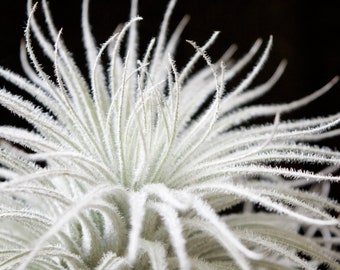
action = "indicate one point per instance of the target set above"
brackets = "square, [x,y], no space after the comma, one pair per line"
[306,33]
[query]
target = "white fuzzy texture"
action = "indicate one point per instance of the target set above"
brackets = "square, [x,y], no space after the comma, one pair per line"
[138,176]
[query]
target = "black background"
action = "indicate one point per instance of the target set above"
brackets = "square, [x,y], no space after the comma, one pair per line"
[306,33]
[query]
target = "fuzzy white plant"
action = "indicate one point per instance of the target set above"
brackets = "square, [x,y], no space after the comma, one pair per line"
[121,175]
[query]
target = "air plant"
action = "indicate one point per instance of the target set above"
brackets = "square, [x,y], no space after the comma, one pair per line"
[129,171]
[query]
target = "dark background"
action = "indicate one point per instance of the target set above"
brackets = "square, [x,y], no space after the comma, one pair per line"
[306,33]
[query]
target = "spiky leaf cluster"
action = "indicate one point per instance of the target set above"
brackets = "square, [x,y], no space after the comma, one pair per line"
[127,171]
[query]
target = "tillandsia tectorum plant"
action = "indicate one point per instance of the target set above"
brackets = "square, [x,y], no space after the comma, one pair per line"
[129,172]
